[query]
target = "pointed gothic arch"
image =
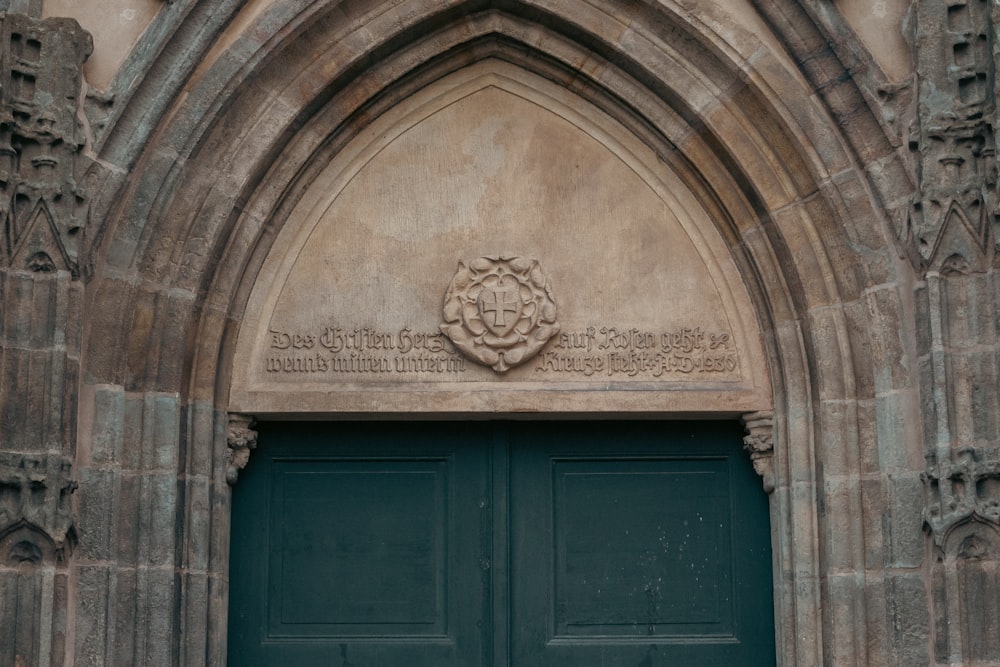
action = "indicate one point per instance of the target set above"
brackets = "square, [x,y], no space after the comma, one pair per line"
[278,93]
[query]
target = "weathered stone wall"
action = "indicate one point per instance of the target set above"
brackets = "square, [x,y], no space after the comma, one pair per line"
[855,197]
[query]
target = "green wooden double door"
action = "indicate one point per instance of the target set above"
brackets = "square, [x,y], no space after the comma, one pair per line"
[555,544]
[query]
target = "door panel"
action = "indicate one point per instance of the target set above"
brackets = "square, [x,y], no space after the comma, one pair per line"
[381,526]
[361,545]
[639,544]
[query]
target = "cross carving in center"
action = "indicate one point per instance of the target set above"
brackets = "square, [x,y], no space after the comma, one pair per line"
[503,302]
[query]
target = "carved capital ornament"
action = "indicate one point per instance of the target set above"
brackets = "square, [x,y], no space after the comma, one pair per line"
[241,437]
[499,311]
[759,444]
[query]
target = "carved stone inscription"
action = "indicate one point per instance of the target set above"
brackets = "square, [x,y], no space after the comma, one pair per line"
[633,353]
[362,350]
[598,351]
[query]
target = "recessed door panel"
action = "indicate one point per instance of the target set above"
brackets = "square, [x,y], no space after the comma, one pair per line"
[378,528]
[638,544]
[362,544]
[640,548]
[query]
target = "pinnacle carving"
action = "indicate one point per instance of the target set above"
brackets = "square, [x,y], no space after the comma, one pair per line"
[43,203]
[759,443]
[499,310]
[240,439]
[955,214]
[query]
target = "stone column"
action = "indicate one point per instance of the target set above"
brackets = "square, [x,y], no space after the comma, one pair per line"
[951,237]
[44,212]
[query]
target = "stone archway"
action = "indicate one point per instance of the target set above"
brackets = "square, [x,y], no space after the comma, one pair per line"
[286,90]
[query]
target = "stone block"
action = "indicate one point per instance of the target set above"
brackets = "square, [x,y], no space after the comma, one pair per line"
[899,446]
[844,611]
[194,626]
[126,614]
[158,516]
[832,376]
[198,524]
[161,422]
[842,532]
[809,114]
[760,250]
[731,125]
[129,527]
[908,543]
[794,25]
[910,619]
[104,354]
[877,649]
[96,513]
[888,325]
[107,431]
[92,626]
[928,404]
[133,433]
[204,437]
[922,320]
[868,444]
[221,509]
[872,516]
[837,451]
[803,256]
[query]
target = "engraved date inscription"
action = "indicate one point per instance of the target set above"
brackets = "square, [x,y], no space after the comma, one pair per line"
[631,352]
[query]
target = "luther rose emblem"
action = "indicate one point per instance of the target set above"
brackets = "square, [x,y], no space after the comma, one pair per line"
[499,310]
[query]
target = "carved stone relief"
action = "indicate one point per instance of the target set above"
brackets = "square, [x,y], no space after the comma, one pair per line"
[499,310]
[240,439]
[34,493]
[43,203]
[759,444]
[36,534]
[953,137]
[961,489]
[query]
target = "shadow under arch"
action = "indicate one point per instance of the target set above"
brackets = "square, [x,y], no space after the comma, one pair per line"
[229,160]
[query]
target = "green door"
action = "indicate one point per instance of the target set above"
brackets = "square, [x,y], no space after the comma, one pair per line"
[632,544]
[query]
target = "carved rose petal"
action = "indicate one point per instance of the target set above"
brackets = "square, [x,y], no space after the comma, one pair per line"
[546,331]
[520,265]
[482,264]
[514,356]
[452,310]
[537,277]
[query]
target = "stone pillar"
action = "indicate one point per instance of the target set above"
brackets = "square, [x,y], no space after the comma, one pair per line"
[951,238]
[44,211]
